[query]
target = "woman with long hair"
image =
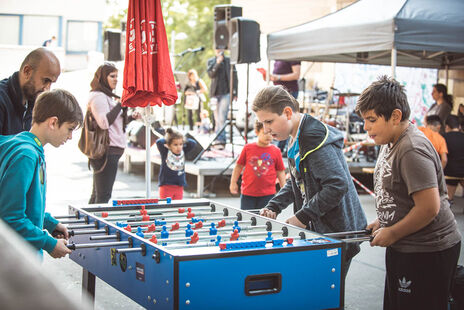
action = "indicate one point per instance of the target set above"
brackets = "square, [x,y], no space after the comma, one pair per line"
[443,104]
[106,109]
[461,116]
[194,96]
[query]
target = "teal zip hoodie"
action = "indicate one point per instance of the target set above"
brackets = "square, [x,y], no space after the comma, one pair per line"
[22,189]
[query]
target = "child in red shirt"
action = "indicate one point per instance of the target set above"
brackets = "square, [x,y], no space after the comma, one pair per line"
[263,164]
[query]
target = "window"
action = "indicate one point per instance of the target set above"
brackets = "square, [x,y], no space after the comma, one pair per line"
[37,29]
[83,36]
[9,31]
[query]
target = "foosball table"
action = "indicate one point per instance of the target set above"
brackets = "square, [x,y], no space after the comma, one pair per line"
[198,254]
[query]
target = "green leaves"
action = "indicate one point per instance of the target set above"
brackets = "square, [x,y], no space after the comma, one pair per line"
[195,18]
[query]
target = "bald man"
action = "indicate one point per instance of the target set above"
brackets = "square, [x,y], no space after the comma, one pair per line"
[38,71]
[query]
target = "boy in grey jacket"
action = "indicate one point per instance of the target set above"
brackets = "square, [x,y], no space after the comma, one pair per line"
[323,195]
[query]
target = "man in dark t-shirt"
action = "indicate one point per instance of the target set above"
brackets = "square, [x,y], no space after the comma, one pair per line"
[455,166]
[287,73]
[219,72]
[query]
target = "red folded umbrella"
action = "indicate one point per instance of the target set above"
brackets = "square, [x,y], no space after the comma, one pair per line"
[148,77]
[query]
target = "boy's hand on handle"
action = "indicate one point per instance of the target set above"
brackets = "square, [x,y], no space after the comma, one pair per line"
[60,232]
[383,237]
[233,188]
[295,222]
[373,226]
[268,213]
[60,250]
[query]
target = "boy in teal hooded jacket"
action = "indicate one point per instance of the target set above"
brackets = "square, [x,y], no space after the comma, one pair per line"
[23,181]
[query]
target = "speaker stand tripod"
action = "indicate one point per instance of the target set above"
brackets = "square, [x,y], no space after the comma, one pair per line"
[230,122]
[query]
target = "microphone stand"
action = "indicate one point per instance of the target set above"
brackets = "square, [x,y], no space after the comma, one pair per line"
[182,59]
[229,122]
[182,55]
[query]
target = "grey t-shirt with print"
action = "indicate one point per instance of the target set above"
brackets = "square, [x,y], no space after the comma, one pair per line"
[409,166]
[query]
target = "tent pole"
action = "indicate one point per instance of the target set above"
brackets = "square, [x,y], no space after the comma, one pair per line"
[393,63]
[446,75]
[246,102]
[148,152]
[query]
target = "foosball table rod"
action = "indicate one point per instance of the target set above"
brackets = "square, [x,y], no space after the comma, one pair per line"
[76,246]
[154,211]
[167,222]
[235,235]
[162,217]
[147,226]
[178,232]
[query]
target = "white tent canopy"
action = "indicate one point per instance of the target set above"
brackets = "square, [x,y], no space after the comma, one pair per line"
[413,33]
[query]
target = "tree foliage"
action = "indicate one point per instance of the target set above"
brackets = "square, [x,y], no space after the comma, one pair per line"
[195,18]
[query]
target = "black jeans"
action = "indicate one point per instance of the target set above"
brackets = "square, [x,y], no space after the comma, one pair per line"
[190,117]
[103,181]
[253,203]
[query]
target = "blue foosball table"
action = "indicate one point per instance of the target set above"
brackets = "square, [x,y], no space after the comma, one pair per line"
[198,254]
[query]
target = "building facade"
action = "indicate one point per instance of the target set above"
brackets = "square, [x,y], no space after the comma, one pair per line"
[77,26]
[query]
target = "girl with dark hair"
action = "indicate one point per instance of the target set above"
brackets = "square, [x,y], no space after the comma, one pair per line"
[461,116]
[443,104]
[171,177]
[108,113]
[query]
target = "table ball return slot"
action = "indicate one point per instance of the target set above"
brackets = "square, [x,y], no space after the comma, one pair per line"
[188,254]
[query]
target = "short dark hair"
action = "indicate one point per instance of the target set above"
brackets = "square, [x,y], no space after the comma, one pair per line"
[258,126]
[172,135]
[274,99]
[452,121]
[59,103]
[433,120]
[383,96]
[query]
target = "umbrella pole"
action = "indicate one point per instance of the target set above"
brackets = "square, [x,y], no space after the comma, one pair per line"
[393,63]
[148,152]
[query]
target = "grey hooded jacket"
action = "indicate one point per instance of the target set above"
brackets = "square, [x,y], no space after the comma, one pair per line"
[331,203]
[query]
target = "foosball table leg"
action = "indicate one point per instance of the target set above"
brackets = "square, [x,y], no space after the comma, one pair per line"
[88,284]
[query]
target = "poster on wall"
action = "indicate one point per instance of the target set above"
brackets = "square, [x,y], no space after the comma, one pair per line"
[418,83]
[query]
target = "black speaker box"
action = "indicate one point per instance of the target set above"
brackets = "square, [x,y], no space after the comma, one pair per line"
[244,41]
[113,45]
[222,16]
[195,151]
[136,133]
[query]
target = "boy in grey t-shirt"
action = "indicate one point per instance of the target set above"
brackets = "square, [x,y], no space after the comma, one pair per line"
[414,220]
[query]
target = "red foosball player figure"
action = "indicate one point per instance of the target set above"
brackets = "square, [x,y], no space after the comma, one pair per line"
[151,228]
[194,239]
[234,236]
[153,239]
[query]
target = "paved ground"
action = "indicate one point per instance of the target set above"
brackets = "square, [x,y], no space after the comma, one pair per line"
[69,181]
